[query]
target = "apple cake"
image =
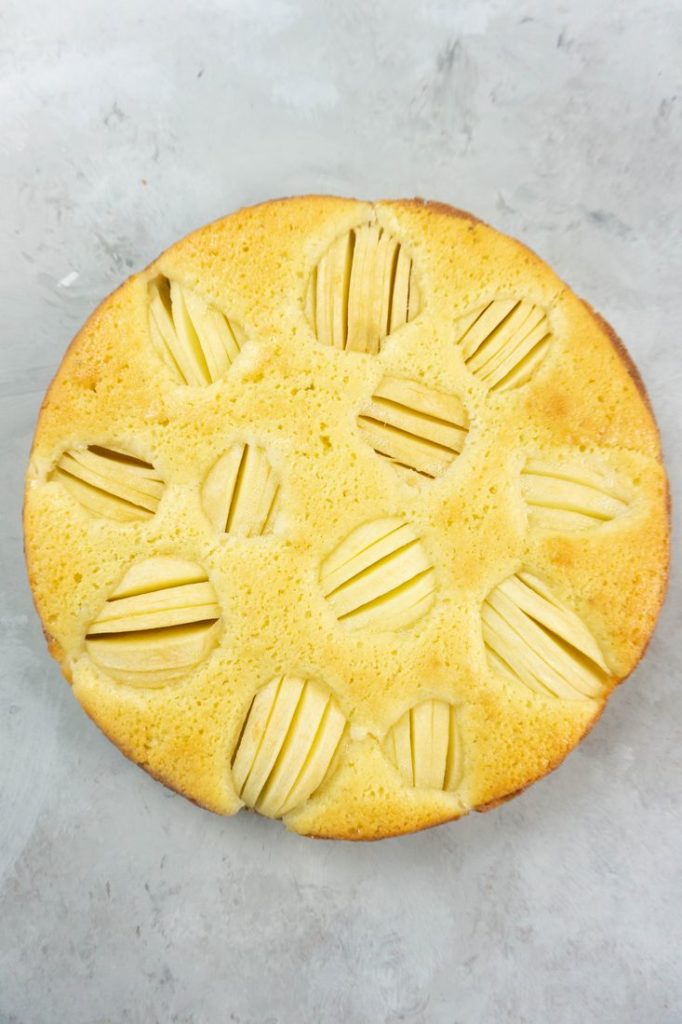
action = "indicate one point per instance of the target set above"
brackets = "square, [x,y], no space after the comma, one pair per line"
[349,513]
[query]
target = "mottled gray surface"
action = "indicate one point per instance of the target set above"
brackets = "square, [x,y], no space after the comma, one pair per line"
[124,125]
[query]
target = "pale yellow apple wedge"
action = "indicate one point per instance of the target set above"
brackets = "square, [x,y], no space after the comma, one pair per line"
[362,548]
[98,502]
[521,348]
[163,334]
[363,333]
[526,367]
[320,758]
[219,338]
[110,483]
[191,602]
[381,576]
[401,737]
[253,732]
[423,745]
[158,573]
[295,749]
[393,570]
[241,491]
[476,327]
[219,486]
[540,641]
[362,289]
[161,621]
[286,701]
[504,342]
[289,739]
[154,657]
[416,426]
[570,496]
[196,340]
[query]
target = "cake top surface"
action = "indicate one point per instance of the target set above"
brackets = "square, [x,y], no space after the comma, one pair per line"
[351,513]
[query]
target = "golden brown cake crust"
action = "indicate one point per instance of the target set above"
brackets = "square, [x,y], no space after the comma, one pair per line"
[531,536]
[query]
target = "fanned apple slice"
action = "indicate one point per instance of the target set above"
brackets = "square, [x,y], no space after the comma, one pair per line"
[253,732]
[295,750]
[172,606]
[282,713]
[424,746]
[380,576]
[241,493]
[193,338]
[155,657]
[160,623]
[414,427]
[399,748]
[533,638]
[365,545]
[570,495]
[362,290]
[319,761]
[110,482]
[364,327]
[290,736]
[504,342]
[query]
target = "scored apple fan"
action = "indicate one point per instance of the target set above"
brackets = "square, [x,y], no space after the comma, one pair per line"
[419,430]
[158,625]
[241,492]
[532,638]
[571,495]
[362,290]
[287,745]
[380,577]
[424,746]
[110,482]
[504,342]
[193,338]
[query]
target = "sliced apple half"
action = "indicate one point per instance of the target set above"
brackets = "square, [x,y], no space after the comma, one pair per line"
[570,495]
[158,625]
[504,342]
[534,639]
[110,482]
[424,746]
[193,338]
[415,428]
[380,576]
[362,290]
[241,493]
[291,734]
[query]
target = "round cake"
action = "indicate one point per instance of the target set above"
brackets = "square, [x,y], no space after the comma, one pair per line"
[349,513]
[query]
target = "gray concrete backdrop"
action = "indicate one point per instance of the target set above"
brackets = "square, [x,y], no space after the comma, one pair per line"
[124,125]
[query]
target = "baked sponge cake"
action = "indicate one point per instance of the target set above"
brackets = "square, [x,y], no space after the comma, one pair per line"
[349,513]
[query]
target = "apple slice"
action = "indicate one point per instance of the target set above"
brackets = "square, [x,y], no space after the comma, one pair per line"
[284,707]
[504,342]
[362,289]
[154,657]
[380,576]
[424,746]
[194,338]
[161,621]
[295,750]
[290,736]
[320,760]
[571,495]
[241,492]
[414,425]
[110,482]
[540,642]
